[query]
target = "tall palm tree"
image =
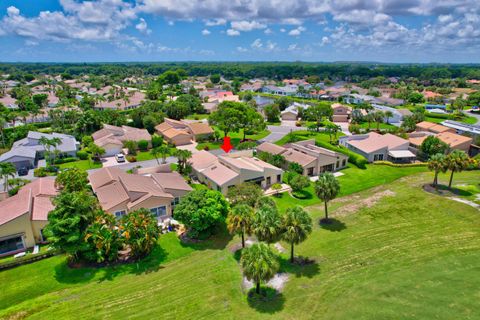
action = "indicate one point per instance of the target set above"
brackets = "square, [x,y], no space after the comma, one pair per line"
[327,188]
[55,142]
[155,152]
[378,117]
[183,156]
[370,118]
[297,225]
[164,151]
[437,164]
[388,115]
[3,124]
[6,170]
[267,225]
[259,263]
[240,220]
[45,142]
[456,161]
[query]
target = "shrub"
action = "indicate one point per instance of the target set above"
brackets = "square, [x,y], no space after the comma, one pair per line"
[156,141]
[299,182]
[391,164]
[51,169]
[206,148]
[246,145]
[131,159]
[13,191]
[143,145]
[65,160]
[82,155]
[40,172]
[355,158]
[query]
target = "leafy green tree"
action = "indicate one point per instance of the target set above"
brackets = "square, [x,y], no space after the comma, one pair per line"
[437,164]
[103,238]
[259,263]
[41,100]
[456,161]
[297,225]
[415,97]
[272,112]
[97,151]
[68,222]
[131,146]
[177,110]
[432,145]
[295,167]
[388,115]
[201,210]
[7,170]
[169,77]
[215,78]
[240,220]
[332,129]
[72,180]
[228,117]
[193,103]
[140,232]
[252,121]
[244,193]
[267,225]
[299,182]
[317,113]
[326,189]
[283,102]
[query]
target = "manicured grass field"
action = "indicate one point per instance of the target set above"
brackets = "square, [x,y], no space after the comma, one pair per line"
[353,180]
[406,254]
[320,137]
[235,138]
[81,164]
[373,126]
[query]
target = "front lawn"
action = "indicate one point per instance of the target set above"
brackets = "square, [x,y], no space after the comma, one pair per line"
[81,164]
[235,138]
[394,252]
[320,137]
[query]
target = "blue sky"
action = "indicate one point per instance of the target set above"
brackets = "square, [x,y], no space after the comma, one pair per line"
[246,30]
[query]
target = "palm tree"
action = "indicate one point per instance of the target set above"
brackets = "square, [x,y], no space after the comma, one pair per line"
[437,164]
[297,225]
[183,156]
[370,118]
[388,115]
[240,221]
[155,152]
[378,117]
[3,124]
[164,151]
[267,224]
[96,151]
[327,188]
[332,128]
[456,161]
[45,142]
[6,170]
[259,264]
[55,142]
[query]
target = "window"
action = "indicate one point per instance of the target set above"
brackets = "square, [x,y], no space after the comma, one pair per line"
[378,157]
[338,164]
[120,214]
[175,201]
[11,244]
[159,211]
[279,178]
[344,162]
[269,181]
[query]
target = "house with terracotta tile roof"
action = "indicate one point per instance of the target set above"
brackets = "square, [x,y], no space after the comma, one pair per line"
[446,134]
[120,193]
[24,215]
[222,172]
[378,147]
[341,113]
[111,138]
[314,160]
[183,132]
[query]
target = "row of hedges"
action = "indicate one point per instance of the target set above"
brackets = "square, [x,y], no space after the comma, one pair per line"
[391,164]
[355,158]
[65,160]
[438,115]
[26,259]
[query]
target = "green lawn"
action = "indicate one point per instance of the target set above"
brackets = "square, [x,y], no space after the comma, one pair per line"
[353,180]
[81,164]
[235,138]
[146,155]
[405,255]
[197,116]
[320,137]
[373,126]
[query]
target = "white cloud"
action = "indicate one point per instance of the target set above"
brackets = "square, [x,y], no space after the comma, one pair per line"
[233,33]
[297,31]
[242,49]
[268,31]
[269,46]
[143,27]
[325,41]
[293,47]
[247,25]
[283,30]
[257,44]
[205,32]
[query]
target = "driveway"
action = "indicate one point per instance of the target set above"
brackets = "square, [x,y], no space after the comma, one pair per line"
[278,132]
[143,164]
[111,161]
[344,126]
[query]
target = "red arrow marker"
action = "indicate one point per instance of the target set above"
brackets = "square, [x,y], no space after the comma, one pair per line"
[226,146]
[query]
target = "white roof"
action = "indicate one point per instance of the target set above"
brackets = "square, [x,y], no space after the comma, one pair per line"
[400,154]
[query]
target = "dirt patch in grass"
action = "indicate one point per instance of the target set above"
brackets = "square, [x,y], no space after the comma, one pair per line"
[363,203]
[277,282]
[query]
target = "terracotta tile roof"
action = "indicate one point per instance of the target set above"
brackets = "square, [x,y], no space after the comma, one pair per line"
[298,157]
[202,159]
[453,139]
[111,195]
[34,196]
[171,180]
[200,128]
[376,141]
[104,176]
[270,148]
